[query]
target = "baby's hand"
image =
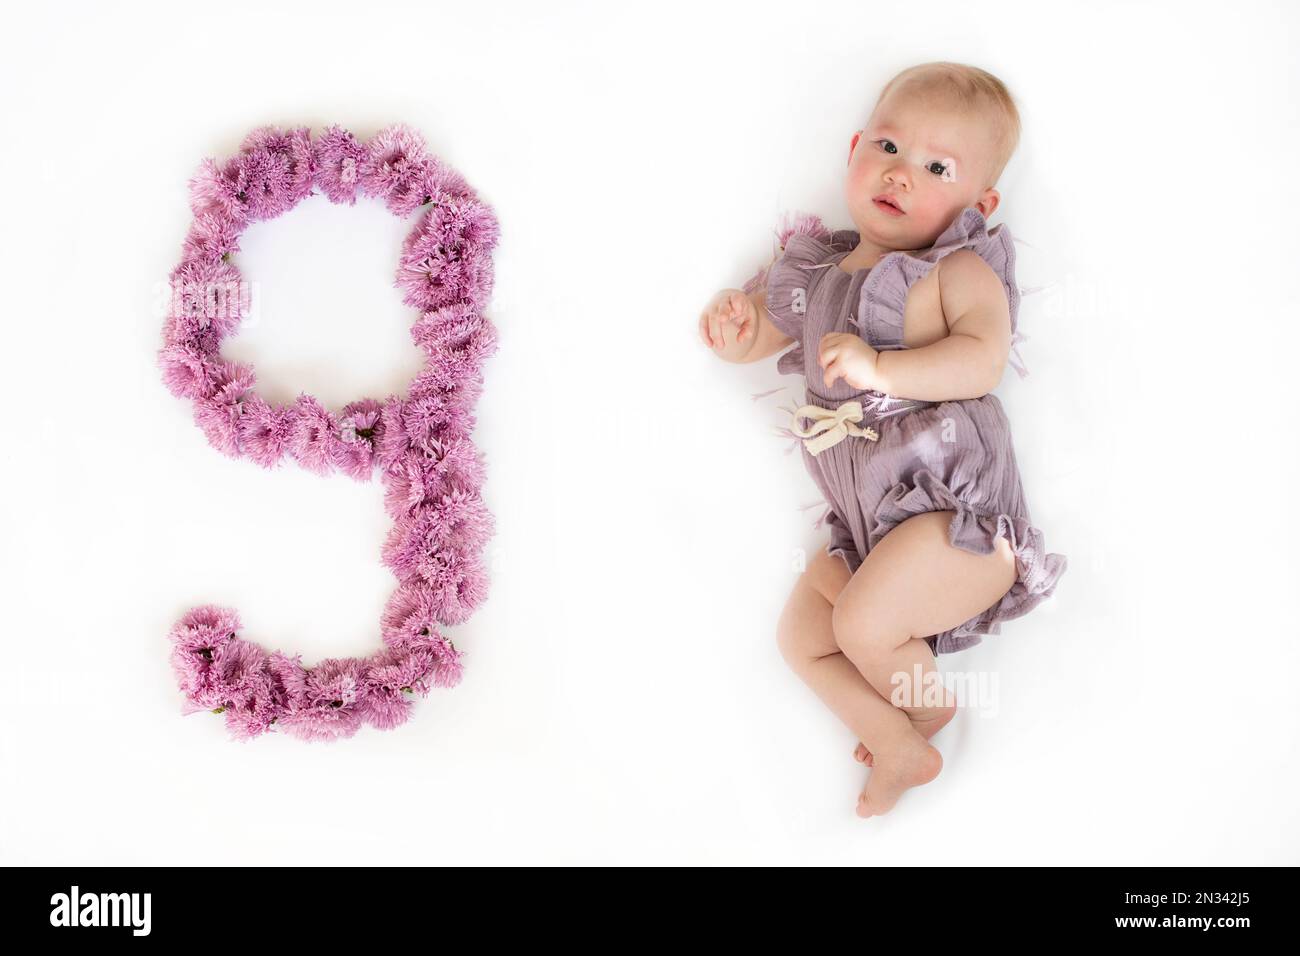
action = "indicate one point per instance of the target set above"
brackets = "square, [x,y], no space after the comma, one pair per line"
[844,355]
[730,317]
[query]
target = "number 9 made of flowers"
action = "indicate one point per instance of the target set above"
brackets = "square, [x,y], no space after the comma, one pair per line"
[419,443]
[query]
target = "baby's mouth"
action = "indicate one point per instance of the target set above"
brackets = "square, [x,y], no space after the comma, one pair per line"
[884,205]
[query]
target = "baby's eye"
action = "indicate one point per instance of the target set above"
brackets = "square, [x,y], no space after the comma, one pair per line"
[940,171]
[888,145]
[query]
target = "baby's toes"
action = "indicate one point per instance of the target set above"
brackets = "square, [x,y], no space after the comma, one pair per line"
[862,755]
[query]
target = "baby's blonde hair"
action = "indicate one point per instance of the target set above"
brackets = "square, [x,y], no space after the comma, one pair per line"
[968,88]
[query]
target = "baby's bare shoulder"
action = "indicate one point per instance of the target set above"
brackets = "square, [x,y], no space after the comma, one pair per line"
[969,290]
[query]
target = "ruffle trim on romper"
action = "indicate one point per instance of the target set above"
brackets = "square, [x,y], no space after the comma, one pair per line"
[1037,572]
[803,242]
[796,224]
[883,297]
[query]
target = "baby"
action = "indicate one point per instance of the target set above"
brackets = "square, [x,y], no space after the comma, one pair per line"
[902,328]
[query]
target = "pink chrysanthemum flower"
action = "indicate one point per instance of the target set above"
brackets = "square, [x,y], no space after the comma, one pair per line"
[290,679]
[410,616]
[392,679]
[464,396]
[410,630]
[447,668]
[220,424]
[464,463]
[333,705]
[457,584]
[253,713]
[433,184]
[452,327]
[449,371]
[360,429]
[197,639]
[209,295]
[445,259]
[386,707]
[423,424]
[217,189]
[232,381]
[457,521]
[218,412]
[265,185]
[265,430]
[471,590]
[211,238]
[405,483]
[339,158]
[461,466]
[194,333]
[188,372]
[294,152]
[395,167]
[243,688]
[204,627]
[444,186]
[314,435]
[418,479]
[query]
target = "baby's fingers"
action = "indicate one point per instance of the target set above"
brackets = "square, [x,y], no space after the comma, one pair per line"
[830,343]
[715,329]
[744,322]
[832,372]
[704,329]
[711,327]
[743,313]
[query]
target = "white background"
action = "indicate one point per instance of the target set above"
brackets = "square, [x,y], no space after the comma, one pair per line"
[624,700]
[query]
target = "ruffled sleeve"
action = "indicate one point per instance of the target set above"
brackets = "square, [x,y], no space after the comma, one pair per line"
[884,294]
[802,243]
[787,285]
[996,247]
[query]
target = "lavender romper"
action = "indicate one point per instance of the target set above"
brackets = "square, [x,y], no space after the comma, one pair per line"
[930,456]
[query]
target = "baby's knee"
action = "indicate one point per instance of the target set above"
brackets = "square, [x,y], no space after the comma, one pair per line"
[802,633]
[790,631]
[861,631]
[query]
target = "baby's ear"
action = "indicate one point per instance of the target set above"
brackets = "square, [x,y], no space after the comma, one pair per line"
[989,202]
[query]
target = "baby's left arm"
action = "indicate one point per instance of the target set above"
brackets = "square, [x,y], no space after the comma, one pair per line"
[967,363]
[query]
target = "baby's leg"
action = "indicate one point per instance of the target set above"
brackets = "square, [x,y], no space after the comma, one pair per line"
[912,584]
[901,757]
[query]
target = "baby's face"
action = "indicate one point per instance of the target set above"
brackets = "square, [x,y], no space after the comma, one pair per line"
[932,162]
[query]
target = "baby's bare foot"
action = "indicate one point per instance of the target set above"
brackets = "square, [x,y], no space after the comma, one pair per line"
[898,768]
[926,723]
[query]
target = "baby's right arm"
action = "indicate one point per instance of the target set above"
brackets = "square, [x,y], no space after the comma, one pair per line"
[737,327]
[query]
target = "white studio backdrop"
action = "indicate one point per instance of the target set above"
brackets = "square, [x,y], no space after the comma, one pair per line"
[624,700]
